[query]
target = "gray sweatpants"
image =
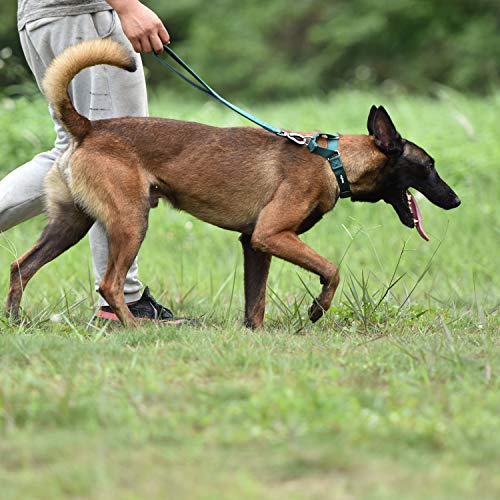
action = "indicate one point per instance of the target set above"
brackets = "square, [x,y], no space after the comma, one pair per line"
[97,92]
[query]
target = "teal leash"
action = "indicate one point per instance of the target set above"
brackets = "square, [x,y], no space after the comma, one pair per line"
[204,87]
[330,153]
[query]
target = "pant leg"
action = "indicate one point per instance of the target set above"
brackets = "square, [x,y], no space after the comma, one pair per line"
[22,190]
[108,92]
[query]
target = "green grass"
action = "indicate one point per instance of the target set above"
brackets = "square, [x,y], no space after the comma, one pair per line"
[392,398]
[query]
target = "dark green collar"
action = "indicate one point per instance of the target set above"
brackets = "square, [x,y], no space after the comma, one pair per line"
[332,154]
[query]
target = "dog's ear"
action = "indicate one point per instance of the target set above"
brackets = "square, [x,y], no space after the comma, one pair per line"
[371,120]
[387,138]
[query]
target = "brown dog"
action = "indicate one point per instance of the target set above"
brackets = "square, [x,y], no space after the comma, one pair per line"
[243,179]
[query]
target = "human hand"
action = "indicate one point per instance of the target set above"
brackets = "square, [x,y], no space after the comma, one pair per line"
[141,25]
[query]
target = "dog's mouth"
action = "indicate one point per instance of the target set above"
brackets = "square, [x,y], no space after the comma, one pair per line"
[409,213]
[417,216]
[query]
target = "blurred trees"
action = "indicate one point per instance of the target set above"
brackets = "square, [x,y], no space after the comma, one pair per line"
[277,48]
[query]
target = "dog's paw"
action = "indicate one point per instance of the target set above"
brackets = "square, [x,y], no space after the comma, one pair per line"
[14,321]
[315,312]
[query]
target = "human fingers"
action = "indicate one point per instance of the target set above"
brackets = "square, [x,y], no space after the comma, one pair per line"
[164,35]
[146,44]
[136,43]
[156,43]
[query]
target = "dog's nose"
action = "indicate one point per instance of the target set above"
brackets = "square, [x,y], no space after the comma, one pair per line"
[456,202]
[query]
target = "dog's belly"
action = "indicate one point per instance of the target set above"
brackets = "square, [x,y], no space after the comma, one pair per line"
[235,213]
[227,197]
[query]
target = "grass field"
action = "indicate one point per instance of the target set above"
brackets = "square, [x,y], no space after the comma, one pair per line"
[394,394]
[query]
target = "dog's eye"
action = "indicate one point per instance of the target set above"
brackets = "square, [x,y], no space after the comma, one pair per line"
[428,166]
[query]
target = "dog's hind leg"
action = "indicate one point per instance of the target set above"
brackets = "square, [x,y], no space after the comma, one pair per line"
[110,185]
[67,226]
[276,233]
[256,267]
[125,236]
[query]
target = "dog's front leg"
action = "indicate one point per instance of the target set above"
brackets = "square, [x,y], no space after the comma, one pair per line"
[256,266]
[288,246]
[275,233]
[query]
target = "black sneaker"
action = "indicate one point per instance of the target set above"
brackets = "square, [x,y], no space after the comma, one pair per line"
[145,308]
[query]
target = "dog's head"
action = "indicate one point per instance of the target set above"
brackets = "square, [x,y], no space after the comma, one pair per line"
[406,166]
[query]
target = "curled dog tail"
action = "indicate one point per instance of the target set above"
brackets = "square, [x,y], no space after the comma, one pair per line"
[70,62]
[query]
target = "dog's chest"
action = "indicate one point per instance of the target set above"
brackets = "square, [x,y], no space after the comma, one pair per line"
[315,216]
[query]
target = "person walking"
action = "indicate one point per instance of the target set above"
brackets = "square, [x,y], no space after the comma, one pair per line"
[46,28]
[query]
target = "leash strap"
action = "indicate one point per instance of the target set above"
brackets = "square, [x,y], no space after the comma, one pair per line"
[204,87]
[332,154]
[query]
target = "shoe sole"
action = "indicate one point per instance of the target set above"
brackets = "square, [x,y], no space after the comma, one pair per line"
[109,316]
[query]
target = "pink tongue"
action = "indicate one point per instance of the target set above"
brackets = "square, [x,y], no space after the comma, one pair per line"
[416,215]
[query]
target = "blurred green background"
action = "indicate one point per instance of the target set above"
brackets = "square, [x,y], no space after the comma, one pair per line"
[280,49]
[398,402]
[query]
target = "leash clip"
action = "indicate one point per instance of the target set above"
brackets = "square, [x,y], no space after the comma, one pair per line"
[295,137]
